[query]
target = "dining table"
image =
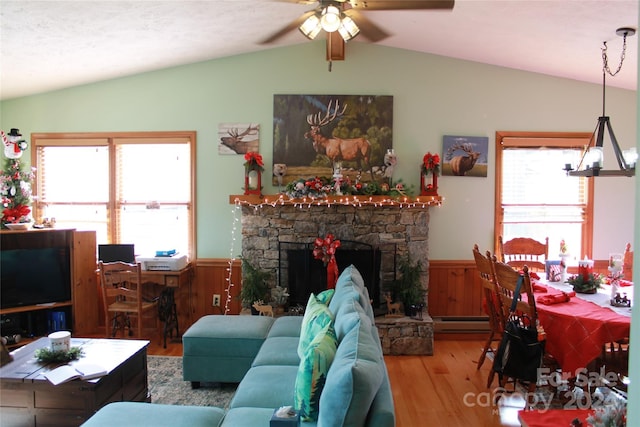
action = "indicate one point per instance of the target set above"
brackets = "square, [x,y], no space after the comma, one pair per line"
[579,325]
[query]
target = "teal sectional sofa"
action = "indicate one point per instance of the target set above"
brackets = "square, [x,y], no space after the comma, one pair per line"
[355,389]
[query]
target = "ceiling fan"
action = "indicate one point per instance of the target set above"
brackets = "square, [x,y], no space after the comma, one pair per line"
[343,17]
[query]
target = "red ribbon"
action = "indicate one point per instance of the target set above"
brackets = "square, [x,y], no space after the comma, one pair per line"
[332,273]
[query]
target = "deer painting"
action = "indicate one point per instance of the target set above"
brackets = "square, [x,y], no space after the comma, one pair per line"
[337,149]
[236,139]
[463,163]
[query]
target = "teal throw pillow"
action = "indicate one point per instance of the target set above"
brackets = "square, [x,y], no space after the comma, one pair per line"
[354,378]
[316,317]
[312,373]
[325,296]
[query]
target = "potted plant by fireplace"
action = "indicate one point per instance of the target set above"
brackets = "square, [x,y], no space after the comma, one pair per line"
[408,288]
[254,285]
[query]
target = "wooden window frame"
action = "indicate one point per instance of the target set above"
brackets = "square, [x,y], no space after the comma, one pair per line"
[577,140]
[111,139]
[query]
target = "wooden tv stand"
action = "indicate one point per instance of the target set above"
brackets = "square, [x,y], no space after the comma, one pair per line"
[29,399]
[82,310]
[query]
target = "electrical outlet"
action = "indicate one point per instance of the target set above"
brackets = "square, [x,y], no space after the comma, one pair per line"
[216,300]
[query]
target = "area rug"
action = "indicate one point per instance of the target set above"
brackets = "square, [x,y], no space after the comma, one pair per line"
[167,386]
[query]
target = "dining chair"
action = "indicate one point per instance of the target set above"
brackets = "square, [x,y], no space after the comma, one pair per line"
[521,251]
[121,285]
[506,280]
[627,263]
[491,303]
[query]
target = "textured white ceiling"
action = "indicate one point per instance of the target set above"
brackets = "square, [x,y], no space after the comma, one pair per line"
[48,45]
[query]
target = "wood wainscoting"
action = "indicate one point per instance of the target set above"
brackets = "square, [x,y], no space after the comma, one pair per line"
[455,298]
[211,278]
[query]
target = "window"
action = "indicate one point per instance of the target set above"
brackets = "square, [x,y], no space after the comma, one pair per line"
[129,187]
[535,197]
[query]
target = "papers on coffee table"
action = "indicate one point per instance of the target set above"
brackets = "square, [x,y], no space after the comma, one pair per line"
[82,371]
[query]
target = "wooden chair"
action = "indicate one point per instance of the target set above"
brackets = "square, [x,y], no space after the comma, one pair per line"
[506,283]
[492,304]
[121,285]
[627,263]
[521,251]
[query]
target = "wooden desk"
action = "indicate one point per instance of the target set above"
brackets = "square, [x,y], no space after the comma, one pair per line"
[171,279]
[158,281]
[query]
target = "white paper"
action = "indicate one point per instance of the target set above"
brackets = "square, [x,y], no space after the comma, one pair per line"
[83,371]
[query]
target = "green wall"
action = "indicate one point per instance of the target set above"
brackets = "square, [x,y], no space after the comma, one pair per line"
[433,96]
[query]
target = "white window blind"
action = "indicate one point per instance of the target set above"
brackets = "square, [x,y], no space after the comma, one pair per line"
[153,196]
[73,187]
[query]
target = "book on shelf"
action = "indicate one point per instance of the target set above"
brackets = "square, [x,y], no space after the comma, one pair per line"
[82,371]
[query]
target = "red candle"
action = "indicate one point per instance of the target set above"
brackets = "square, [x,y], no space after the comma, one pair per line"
[585,268]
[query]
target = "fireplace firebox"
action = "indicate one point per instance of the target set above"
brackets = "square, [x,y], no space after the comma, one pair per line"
[302,274]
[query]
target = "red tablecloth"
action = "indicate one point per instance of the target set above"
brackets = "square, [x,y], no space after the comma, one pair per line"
[577,330]
[553,417]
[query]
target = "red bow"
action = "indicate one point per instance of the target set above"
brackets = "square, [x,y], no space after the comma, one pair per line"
[14,214]
[254,158]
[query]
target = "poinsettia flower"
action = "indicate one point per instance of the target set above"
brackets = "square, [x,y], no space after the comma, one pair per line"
[431,163]
[16,213]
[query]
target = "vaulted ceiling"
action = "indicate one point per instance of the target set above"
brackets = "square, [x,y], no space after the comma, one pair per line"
[48,45]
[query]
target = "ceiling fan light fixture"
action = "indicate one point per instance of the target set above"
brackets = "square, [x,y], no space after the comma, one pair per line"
[348,29]
[330,19]
[311,27]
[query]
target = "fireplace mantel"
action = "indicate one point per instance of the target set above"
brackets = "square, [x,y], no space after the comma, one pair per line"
[345,200]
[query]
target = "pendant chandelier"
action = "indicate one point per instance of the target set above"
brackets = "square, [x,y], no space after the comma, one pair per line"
[591,163]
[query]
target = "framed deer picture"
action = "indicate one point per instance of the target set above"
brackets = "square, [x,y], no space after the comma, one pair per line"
[315,135]
[238,138]
[465,155]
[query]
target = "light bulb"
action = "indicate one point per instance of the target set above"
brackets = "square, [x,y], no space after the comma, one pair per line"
[348,29]
[630,157]
[311,27]
[330,20]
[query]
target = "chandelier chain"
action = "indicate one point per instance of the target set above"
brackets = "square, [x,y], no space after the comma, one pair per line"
[605,59]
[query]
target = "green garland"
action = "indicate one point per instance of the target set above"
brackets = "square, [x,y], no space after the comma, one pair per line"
[585,286]
[47,355]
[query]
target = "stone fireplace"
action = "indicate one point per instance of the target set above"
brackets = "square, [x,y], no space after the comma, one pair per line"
[391,229]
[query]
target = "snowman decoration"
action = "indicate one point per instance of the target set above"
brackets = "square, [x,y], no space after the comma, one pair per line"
[13,145]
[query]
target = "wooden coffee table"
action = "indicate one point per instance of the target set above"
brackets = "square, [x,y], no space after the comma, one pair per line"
[29,399]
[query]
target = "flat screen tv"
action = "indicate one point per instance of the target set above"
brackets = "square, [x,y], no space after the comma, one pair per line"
[116,252]
[34,276]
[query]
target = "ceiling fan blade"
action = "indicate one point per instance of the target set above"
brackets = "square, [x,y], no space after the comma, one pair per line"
[367,28]
[288,28]
[401,4]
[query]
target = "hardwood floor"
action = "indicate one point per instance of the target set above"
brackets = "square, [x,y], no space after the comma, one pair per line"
[445,389]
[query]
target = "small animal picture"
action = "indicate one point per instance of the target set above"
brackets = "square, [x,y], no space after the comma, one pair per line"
[238,138]
[465,155]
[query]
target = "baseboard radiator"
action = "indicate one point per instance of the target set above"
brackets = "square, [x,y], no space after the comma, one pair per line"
[460,324]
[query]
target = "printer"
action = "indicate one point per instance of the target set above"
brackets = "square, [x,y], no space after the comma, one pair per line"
[175,262]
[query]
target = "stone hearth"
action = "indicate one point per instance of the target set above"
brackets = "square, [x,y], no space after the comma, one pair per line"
[406,335]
